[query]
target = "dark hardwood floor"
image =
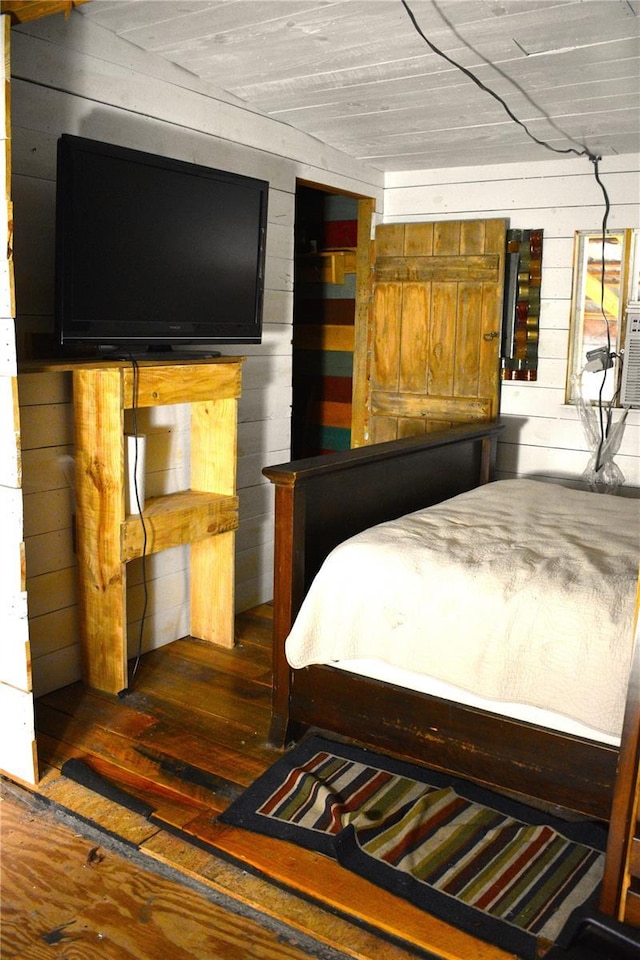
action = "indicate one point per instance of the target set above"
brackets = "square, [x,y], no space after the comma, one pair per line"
[186,738]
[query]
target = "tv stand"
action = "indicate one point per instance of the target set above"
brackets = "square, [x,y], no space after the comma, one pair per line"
[204,516]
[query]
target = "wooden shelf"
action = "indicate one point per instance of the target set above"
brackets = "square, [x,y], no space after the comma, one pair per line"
[177,519]
[21,11]
[327,266]
[205,517]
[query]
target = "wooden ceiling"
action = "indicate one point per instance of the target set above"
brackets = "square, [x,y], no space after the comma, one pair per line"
[356,74]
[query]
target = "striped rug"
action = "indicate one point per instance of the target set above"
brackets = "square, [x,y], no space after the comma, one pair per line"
[497,869]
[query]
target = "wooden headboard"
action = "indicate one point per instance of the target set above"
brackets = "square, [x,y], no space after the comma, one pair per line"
[323,500]
[340,494]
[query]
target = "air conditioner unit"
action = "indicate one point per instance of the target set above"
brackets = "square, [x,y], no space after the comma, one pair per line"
[630,384]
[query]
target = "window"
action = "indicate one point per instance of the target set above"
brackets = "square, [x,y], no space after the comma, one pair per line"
[598,310]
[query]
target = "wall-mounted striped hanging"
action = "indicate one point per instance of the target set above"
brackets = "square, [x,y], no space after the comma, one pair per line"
[323,326]
[521,324]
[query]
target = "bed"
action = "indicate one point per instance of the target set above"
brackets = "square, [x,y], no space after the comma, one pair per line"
[562,757]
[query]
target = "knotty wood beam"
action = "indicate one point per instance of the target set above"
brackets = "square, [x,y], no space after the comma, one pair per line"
[21,11]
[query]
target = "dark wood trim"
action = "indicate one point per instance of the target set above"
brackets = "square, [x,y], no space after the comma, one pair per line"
[502,754]
[620,897]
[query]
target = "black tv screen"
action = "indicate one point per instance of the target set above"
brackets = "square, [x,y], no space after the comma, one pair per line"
[153,252]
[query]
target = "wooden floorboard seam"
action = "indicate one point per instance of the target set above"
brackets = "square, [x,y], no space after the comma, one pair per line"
[187,740]
[343,895]
[152,865]
[203,832]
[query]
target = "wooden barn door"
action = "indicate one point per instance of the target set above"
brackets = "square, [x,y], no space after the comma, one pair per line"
[433,341]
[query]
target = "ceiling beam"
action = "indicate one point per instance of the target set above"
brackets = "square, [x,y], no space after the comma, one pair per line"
[22,10]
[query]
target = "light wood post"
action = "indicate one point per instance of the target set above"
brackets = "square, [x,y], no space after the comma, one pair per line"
[213,470]
[205,516]
[99,439]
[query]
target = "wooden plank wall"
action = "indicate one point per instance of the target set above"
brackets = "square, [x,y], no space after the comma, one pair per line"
[17,750]
[543,436]
[74,77]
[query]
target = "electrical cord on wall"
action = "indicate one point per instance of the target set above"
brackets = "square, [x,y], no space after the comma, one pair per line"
[605,421]
[469,73]
[135,370]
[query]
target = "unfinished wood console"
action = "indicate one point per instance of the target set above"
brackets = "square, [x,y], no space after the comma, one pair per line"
[205,516]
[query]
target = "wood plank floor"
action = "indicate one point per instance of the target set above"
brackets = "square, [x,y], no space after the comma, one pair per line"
[186,738]
[76,894]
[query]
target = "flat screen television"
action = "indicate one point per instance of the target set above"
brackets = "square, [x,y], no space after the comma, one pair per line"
[154,253]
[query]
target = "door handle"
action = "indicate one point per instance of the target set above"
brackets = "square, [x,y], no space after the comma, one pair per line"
[492,335]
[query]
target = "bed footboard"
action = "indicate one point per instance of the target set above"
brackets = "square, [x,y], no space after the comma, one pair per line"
[321,501]
[500,753]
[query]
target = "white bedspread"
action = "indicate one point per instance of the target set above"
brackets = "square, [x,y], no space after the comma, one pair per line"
[518,591]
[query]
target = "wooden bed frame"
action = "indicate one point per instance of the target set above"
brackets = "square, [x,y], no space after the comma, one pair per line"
[319,503]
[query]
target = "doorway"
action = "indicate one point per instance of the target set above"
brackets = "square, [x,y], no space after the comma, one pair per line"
[332,257]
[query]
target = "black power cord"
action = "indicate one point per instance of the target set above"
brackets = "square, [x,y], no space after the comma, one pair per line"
[604,429]
[134,385]
[584,152]
[468,73]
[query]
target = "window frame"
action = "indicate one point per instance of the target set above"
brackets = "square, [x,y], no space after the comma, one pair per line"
[593,390]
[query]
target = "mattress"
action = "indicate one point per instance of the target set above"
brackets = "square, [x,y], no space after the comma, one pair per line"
[519,592]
